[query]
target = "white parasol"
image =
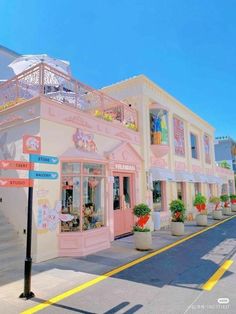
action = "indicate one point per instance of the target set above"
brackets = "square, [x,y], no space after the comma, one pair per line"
[25,62]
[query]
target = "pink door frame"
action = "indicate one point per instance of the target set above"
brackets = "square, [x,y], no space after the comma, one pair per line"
[124,218]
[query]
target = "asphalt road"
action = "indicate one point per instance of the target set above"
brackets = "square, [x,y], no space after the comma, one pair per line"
[170,282]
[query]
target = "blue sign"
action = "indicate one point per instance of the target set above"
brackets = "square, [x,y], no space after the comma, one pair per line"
[41,159]
[46,175]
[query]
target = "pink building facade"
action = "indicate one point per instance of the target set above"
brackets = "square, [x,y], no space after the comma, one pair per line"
[130,143]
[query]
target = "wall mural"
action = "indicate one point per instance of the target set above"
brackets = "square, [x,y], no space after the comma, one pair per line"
[179,137]
[206,142]
[7,151]
[48,218]
[84,141]
[159,128]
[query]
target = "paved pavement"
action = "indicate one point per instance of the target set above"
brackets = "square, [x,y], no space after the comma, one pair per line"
[128,290]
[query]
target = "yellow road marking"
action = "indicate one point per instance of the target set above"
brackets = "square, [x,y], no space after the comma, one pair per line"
[117,270]
[217,275]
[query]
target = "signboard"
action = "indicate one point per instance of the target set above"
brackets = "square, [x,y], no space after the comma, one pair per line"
[41,159]
[43,175]
[206,141]
[31,144]
[15,183]
[179,144]
[125,167]
[13,164]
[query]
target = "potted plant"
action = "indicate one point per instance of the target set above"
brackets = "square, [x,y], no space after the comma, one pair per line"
[216,213]
[177,209]
[233,202]
[200,204]
[226,205]
[142,234]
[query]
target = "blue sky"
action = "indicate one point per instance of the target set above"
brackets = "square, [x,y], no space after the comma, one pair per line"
[187,47]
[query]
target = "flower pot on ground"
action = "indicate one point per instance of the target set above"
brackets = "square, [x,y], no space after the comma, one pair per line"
[142,234]
[233,202]
[178,217]
[200,204]
[226,210]
[216,213]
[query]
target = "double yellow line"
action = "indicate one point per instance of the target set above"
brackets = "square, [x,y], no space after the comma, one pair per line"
[208,286]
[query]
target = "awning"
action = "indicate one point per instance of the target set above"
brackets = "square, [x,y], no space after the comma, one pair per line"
[198,177]
[161,174]
[213,180]
[183,176]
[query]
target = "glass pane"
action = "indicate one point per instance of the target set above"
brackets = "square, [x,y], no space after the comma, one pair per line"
[93,203]
[126,192]
[193,145]
[179,190]
[93,169]
[69,167]
[196,188]
[157,202]
[116,193]
[70,204]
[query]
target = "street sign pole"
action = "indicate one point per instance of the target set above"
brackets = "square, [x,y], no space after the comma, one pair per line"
[28,259]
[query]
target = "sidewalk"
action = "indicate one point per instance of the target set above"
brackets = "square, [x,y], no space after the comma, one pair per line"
[60,274]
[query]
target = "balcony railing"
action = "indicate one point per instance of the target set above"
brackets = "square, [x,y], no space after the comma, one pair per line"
[44,80]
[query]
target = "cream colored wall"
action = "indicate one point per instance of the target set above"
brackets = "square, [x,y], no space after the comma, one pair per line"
[141,93]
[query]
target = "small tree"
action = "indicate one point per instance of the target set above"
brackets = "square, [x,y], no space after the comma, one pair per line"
[200,202]
[216,201]
[178,210]
[142,211]
[225,198]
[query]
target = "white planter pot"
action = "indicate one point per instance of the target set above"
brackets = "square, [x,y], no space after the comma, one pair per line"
[201,220]
[177,228]
[233,207]
[226,211]
[217,214]
[143,240]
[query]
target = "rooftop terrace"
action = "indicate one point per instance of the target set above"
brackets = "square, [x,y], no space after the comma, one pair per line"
[43,79]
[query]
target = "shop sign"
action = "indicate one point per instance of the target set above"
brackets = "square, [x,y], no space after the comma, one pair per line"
[43,175]
[84,141]
[15,183]
[31,144]
[41,159]
[125,167]
[12,164]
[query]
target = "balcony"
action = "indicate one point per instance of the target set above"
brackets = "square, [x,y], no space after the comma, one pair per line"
[47,81]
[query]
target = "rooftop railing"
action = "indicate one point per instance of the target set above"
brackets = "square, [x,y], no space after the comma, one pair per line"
[43,79]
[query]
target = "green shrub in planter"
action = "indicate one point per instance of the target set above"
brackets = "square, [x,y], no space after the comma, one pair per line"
[178,210]
[216,201]
[225,198]
[142,211]
[200,203]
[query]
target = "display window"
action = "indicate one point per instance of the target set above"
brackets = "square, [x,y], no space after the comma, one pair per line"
[157,196]
[83,191]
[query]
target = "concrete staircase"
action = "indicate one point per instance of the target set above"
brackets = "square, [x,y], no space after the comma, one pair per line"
[12,253]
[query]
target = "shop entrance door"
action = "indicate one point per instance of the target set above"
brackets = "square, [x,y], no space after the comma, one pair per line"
[123,203]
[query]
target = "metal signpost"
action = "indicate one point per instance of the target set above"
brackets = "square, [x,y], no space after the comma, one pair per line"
[31,146]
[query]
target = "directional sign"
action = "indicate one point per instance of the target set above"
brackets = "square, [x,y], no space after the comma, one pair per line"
[15,183]
[41,159]
[46,175]
[13,164]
